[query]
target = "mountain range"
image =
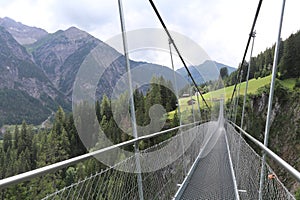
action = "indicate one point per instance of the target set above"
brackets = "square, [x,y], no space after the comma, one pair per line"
[205,71]
[38,70]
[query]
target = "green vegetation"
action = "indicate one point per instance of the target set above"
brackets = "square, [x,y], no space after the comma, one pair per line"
[297,196]
[215,96]
[23,107]
[253,85]
[289,83]
[24,148]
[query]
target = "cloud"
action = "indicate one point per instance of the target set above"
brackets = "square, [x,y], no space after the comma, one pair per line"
[220,27]
[86,14]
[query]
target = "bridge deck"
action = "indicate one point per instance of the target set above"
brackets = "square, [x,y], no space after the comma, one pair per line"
[212,178]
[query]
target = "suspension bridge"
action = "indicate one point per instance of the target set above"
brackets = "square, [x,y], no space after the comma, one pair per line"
[216,160]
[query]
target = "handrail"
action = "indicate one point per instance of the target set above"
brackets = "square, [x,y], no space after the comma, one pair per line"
[295,173]
[4,183]
[236,190]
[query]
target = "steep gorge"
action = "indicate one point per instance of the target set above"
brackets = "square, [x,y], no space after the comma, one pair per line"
[284,138]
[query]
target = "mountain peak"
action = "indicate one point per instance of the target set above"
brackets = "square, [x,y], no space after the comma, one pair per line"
[205,71]
[74,29]
[8,20]
[22,33]
[11,46]
[74,33]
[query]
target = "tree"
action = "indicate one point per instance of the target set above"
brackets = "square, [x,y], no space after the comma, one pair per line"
[176,120]
[139,102]
[76,146]
[290,61]
[58,138]
[297,195]
[16,137]
[98,111]
[106,107]
[7,141]
[59,121]
[25,139]
[223,72]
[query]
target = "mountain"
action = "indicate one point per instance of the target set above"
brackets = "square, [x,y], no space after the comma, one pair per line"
[39,76]
[205,71]
[25,91]
[60,55]
[22,33]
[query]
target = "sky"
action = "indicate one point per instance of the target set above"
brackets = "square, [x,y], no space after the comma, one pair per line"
[220,27]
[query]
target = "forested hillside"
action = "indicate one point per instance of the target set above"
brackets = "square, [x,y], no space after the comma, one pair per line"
[261,65]
[25,149]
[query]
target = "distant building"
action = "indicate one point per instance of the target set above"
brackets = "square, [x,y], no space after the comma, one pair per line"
[191,102]
[185,95]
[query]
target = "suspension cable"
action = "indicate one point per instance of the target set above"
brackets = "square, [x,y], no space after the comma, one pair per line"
[181,58]
[246,49]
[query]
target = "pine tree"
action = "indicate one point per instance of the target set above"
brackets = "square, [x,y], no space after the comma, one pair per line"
[105,108]
[22,142]
[7,141]
[98,111]
[58,139]
[139,102]
[290,62]
[76,146]
[59,121]
[16,137]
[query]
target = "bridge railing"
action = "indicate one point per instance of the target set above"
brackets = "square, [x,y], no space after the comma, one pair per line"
[110,183]
[247,164]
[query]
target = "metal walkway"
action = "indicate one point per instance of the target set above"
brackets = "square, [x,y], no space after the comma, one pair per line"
[212,178]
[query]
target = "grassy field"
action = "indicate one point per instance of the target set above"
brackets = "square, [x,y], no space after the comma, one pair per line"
[226,93]
[289,83]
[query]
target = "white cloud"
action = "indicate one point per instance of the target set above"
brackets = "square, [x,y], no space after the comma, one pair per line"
[220,27]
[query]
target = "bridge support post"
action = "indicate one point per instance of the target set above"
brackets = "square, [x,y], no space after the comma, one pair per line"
[179,113]
[247,80]
[193,112]
[237,97]
[268,124]
[244,104]
[198,101]
[175,82]
[132,107]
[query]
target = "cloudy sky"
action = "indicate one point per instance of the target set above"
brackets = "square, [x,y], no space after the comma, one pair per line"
[220,27]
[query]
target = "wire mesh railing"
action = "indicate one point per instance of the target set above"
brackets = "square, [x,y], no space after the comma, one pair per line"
[246,164]
[160,184]
[117,183]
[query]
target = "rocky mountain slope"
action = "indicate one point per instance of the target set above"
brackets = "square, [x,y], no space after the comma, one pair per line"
[207,71]
[22,33]
[39,69]
[60,55]
[24,88]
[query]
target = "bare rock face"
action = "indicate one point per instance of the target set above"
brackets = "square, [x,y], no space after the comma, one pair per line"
[41,74]
[23,85]
[22,33]
[61,54]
